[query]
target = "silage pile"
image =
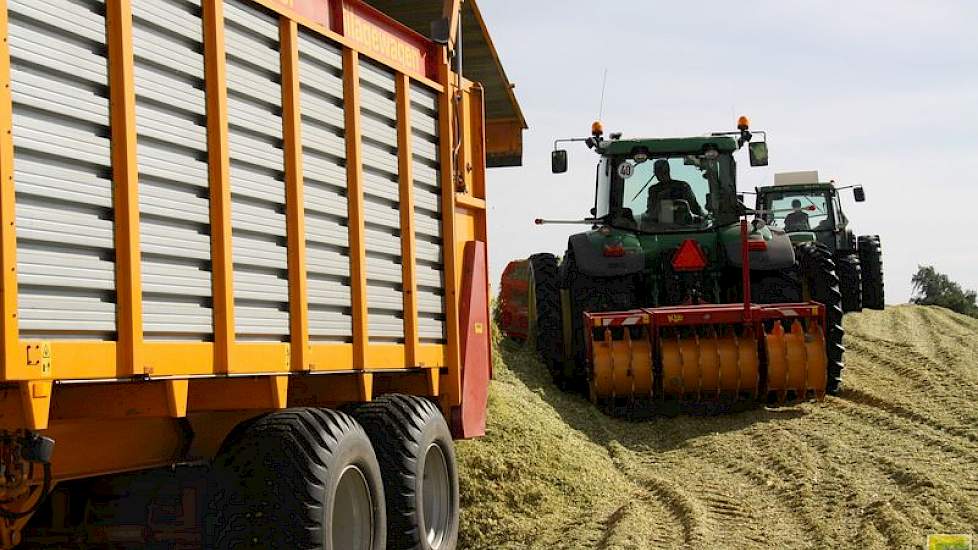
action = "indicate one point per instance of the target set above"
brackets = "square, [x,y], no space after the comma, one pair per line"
[895,457]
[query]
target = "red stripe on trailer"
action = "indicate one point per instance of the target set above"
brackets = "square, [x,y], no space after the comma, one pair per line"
[469,419]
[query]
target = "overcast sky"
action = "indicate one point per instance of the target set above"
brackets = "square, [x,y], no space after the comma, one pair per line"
[883,94]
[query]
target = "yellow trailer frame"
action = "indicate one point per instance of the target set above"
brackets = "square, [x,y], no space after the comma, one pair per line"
[132,403]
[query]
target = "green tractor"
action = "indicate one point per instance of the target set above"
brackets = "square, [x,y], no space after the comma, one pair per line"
[678,292]
[810,211]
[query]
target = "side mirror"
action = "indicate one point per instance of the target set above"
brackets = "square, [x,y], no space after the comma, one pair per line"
[859,194]
[758,153]
[558,161]
[740,197]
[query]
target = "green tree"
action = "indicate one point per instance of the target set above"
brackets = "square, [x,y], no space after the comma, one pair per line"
[936,289]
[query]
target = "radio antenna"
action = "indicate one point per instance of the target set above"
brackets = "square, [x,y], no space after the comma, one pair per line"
[604,81]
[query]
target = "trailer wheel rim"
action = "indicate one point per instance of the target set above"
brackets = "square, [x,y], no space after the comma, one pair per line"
[436,494]
[353,512]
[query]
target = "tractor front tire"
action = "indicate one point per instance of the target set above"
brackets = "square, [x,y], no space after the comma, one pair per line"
[547,326]
[850,282]
[871,257]
[302,478]
[818,275]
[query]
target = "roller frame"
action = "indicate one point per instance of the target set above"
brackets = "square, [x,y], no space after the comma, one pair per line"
[754,316]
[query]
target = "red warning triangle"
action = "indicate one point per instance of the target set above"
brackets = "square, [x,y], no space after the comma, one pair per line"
[689,257]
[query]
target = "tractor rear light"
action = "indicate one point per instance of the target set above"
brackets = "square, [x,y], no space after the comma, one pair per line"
[689,257]
[614,250]
[757,246]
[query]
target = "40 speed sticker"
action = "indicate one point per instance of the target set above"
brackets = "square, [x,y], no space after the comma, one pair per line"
[625,170]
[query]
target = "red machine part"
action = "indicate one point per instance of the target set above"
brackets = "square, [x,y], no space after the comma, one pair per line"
[514,320]
[699,351]
[709,349]
[469,420]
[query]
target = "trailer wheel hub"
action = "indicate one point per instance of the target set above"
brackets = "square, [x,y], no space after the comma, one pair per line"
[436,496]
[353,518]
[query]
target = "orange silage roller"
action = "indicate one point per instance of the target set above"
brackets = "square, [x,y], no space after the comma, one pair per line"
[696,367]
[796,361]
[622,367]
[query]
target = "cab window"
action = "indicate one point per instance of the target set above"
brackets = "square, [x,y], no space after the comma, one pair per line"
[799,211]
[680,201]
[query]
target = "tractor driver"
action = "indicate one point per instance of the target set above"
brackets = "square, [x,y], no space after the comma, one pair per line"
[669,189]
[796,220]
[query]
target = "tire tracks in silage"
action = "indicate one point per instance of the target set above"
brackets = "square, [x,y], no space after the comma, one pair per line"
[961,331]
[932,387]
[686,511]
[907,493]
[924,321]
[733,495]
[851,493]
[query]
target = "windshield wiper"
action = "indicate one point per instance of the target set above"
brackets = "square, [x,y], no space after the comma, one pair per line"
[642,189]
[809,199]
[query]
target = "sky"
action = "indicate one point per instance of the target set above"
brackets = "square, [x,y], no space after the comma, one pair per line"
[882,94]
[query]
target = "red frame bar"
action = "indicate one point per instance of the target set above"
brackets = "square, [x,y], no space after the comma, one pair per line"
[704,314]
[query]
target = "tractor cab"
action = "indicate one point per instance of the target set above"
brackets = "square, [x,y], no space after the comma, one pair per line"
[664,185]
[667,185]
[808,210]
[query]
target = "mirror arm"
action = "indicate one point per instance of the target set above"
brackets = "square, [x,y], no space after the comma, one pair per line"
[745,136]
[569,140]
[588,221]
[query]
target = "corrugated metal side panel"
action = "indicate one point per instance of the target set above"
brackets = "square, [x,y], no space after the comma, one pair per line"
[382,219]
[427,215]
[324,177]
[171,124]
[62,163]
[258,240]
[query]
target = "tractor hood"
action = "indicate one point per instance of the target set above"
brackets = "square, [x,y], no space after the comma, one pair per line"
[779,253]
[608,251]
[614,252]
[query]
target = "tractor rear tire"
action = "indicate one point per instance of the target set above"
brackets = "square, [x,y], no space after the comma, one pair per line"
[850,282]
[871,256]
[818,275]
[591,294]
[302,478]
[548,327]
[417,460]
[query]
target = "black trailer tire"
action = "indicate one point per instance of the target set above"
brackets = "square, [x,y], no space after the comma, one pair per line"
[549,336]
[871,256]
[848,267]
[818,275]
[289,479]
[417,462]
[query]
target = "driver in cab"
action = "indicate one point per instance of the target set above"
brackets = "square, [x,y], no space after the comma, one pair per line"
[668,189]
[796,220]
